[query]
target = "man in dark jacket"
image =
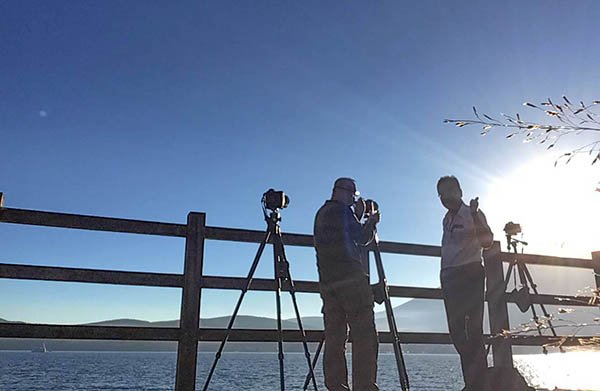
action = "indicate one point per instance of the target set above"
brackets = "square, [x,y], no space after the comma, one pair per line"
[345,290]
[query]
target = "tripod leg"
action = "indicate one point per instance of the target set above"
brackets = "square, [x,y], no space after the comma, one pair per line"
[508,273]
[401,366]
[534,288]
[237,308]
[286,265]
[279,328]
[314,364]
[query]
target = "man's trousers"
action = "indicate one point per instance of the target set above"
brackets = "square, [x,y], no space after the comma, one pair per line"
[462,288]
[350,305]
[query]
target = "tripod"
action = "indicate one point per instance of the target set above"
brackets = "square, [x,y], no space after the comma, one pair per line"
[524,302]
[282,274]
[382,284]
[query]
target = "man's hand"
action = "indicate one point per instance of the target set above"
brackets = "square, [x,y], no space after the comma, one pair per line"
[483,232]
[474,205]
[359,208]
[373,219]
[378,293]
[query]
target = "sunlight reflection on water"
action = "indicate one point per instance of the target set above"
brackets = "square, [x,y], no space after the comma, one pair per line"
[572,370]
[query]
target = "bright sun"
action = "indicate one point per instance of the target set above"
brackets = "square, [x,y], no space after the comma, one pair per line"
[557,207]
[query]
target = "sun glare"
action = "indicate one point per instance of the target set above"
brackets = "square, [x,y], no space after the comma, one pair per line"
[557,207]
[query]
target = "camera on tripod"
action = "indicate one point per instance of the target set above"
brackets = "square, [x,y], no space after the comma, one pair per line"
[365,208]
[512,229]
[274,200]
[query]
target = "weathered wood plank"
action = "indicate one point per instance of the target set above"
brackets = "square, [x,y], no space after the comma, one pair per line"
[94,223]
[97,276]
[497,309]
[258,335]
[260,284]
[303,240]
[533,259]
[187,346]
[25,330]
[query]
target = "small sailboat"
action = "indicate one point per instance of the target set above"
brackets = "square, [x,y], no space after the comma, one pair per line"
[41,349]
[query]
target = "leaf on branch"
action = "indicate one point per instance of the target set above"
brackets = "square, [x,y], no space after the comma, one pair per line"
[581,103]
[578,111]
[511,135]
[530,105]
[596,102]
[490,118]
[552,113]
[475,112]
[566,100]
[565,310]
[486,129]
[518,117]
[460,124]
[596,158]
[550,146]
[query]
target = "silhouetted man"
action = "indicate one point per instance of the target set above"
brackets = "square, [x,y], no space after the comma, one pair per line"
[345,290]
[466,232]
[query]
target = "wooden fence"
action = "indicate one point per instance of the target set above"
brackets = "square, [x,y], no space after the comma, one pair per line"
[193,281]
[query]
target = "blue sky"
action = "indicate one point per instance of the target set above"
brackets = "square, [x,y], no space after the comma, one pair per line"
[149,110]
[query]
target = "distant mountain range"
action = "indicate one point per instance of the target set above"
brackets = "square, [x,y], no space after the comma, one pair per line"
[415,315]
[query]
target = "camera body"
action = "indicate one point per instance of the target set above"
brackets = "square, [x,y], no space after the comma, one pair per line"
[512,228]
[365,208]
[274,200]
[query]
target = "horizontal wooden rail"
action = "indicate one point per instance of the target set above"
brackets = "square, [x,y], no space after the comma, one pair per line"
[265,335]
[97,276]
[254,236]
[303,240]
[100,276]
[22,330]
[539,340]
[260,284]
[44,331]
[546,260]
[560,300]
[94,223]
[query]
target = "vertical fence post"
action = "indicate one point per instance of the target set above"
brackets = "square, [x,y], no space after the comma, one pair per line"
[187,347]
[497,307]
[596,260]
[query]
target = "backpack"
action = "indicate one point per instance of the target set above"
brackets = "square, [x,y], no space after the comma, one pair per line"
[505,379]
